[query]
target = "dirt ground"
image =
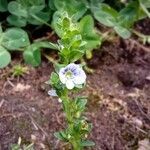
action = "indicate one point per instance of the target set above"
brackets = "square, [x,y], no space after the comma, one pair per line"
[118,102]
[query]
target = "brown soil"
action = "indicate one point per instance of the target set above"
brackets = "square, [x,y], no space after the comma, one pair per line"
[118,104]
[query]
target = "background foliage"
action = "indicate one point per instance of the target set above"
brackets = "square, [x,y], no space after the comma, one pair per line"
[18,17]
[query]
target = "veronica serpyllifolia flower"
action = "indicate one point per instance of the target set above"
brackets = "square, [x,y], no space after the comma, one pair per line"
[72,75]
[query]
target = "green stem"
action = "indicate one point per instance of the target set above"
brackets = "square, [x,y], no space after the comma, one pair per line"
[138,34]
[145,9]
[50,58]
[70,119]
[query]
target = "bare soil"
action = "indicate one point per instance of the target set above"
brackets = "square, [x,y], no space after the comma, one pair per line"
[118,103]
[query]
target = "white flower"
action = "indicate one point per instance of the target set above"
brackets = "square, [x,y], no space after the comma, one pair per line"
[72,75]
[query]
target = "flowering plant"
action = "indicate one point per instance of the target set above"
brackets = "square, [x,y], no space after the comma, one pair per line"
[68,78]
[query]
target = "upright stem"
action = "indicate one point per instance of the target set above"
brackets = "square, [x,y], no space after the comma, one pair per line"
[70,119]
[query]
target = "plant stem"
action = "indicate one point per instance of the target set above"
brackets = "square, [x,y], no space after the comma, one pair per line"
[50,58]
[145,9]
[138,34]
[70,119]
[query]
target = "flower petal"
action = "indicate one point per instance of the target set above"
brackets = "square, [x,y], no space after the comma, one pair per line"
[52,93]
[81,78]
[62,75]
[69,84]
[62,79]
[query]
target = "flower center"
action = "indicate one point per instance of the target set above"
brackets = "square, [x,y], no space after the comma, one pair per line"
[69,74]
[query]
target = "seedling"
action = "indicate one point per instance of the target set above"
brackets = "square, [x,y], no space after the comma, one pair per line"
[19,70]
[19,146]
[70,77]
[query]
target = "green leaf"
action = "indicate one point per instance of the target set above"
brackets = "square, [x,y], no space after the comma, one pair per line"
[123,32]
[51,5]
[17,21]
[75,55]
[39,18]
[1,30]
[15,147]
[58,66]
[34,9]
[3,5]
[17,9]
[87,143]
[61,135]
[54,78]
[129,14]
[15,38]
[31,11]
[66,23]
[81,103]
[105,15]
[32,55]
[73,7]
[89,35]
[5,57]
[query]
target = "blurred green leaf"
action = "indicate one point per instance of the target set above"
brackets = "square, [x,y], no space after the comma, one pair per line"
[123,32]
[32,55]
[105,14]
[61,135]
[3,5]
[31,11]
[17,21]
[17,9]
[73,7]
[15,38]
[5,57]
[51,5]
[129,14]
[81,103]
[89,35]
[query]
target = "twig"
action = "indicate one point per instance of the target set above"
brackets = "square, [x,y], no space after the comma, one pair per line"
[10,83]
[2,102]
[139,45]
[142,110]
[38,126]
[50,58]
[45,38]
[8,115]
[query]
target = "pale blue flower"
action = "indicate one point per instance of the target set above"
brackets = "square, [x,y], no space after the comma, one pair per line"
[72,76]
[52,93]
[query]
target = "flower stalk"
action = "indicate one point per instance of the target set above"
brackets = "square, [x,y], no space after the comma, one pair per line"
[69,78]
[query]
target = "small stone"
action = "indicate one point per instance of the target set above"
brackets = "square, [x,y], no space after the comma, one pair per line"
[144,144]
[148,78]
[137,122]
